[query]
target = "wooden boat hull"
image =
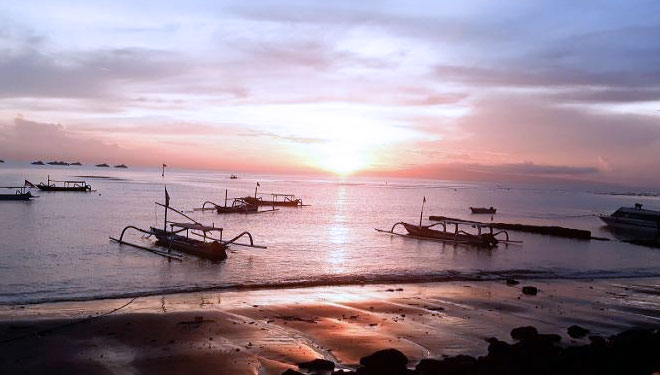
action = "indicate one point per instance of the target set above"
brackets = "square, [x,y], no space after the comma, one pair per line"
[285,203]
[485,240]
[16,197]
[61,188]
[214,251]
[480,210]
[242,209]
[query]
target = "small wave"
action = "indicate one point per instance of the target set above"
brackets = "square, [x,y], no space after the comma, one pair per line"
[347,280]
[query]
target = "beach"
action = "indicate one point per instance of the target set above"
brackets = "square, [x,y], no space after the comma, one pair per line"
[268,331]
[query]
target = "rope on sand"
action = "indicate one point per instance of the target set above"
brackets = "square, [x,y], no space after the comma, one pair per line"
[49,330]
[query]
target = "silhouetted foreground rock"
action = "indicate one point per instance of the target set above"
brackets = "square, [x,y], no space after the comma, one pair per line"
[634,352]
[577,332]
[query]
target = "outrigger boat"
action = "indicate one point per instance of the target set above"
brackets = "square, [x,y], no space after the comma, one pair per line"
[485,236]
[21,193]
[286,200]
[238,206]
[81,186]
[207,247]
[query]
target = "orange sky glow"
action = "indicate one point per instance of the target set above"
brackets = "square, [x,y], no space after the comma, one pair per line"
[419,89]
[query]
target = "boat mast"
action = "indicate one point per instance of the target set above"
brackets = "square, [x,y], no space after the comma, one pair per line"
[167,207]
[422,212]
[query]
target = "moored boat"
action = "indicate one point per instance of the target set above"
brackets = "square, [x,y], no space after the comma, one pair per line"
[104,165]
[483,210]
[485,236]
[205,246]
[21,193]
[635,218]
[287,200]
[70,185]
[38,162]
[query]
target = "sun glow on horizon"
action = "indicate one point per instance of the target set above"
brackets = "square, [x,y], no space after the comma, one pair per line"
[342,159]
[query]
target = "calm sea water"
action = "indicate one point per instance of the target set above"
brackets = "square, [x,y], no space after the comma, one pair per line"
[56,247]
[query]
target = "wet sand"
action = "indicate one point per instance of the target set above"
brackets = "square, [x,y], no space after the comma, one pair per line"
[269,331]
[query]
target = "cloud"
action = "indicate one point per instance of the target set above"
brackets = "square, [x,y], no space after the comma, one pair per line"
[27,140]
[30,73]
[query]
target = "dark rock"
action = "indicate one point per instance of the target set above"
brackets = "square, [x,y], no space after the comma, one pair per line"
[548,337]
[577,332]
[317,365]
[530,290]
[512,282]
[385,362]
[497,347]
[524,333]
[597,340]
[453,365]
[292,372]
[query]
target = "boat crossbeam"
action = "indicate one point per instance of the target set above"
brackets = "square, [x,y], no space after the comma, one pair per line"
[249,235]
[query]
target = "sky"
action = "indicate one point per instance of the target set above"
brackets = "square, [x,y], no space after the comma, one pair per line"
[437,89]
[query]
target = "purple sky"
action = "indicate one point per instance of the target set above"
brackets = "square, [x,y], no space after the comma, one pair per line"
[559,89]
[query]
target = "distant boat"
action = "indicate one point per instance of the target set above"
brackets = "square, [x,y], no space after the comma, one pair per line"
[21,193]
[288,200]
[2,161]
[51,185]
[58,163]
[104,165]
[76,163]
[483,210]
[233,177]
[121,166]
[39,162]
[633,218]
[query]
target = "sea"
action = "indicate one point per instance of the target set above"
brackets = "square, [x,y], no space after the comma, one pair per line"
[56,247]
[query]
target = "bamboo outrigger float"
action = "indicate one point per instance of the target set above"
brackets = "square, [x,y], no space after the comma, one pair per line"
[485,236]
[80,186]
[175,243]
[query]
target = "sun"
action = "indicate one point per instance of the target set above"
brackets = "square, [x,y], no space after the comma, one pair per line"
[341,159]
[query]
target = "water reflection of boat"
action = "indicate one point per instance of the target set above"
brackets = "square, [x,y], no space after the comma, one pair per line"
[633,218]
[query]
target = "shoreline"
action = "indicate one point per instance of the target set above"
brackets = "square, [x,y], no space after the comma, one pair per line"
[257,331]
[351,281]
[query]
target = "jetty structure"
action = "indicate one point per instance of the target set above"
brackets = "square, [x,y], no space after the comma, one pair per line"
[453,231]
[276,199]
[176,241]
[538,229]
[63,185]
